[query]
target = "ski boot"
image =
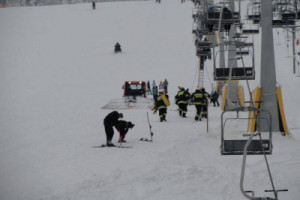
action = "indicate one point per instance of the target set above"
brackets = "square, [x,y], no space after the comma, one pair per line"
[110,144]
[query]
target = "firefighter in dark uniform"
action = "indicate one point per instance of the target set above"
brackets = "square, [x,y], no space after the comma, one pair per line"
[200,100]
[196,99]
[161,107]
[181,99]
[110,121]
[123,128]
[206,96]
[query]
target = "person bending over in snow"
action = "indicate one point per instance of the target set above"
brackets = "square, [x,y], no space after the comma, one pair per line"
[110,121]
[123,128]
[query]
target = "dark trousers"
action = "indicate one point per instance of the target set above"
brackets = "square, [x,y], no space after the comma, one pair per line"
[198,110]
[162,113]
[215,102]
[201,111]
[204,111]
[182,109]
[109,131]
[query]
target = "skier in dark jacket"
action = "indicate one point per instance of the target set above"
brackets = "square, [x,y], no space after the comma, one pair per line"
[181,99]
[110,121]
[94,5]
[166,83]
[123,128]
[148,88]
[117,48]
[214,98]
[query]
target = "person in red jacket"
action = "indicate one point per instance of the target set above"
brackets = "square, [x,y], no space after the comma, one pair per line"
[123,127]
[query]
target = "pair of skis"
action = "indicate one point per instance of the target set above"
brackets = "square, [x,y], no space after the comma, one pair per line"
[116,146]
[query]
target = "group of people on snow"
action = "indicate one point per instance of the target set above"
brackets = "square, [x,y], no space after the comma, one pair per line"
[200,99]
[154,90]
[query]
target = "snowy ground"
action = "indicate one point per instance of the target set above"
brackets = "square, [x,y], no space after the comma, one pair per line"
[58,70]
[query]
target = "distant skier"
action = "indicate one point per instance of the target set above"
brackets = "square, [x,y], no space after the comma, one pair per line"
[161,86]
[166,83]
[118,48]
[181,99]
[161,107]
[94,5]
[110,121]
[123,128]
[153,83]
[214,96]
[148,88]
[154,92]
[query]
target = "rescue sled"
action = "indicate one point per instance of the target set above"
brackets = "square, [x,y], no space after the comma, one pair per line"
[165,99]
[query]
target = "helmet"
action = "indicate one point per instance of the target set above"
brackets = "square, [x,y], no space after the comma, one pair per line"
[130,125]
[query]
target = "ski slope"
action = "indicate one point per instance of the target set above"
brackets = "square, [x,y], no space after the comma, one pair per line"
[57,71]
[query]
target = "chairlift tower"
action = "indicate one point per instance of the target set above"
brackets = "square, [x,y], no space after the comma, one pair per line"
[232,95]
[268,72]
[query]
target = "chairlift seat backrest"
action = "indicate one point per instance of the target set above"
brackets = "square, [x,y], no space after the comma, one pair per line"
[279,23]
[236,147]
[238,73]
[242,53]
[250,31]
[206,44]
[291,15]
[254,17]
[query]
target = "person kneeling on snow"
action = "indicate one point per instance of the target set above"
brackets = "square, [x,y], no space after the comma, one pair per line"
[123,127]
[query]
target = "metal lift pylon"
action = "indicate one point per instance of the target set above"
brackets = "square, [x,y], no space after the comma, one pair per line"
[268,72]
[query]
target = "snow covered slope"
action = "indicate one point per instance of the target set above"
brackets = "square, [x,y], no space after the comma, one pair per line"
[58,69]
